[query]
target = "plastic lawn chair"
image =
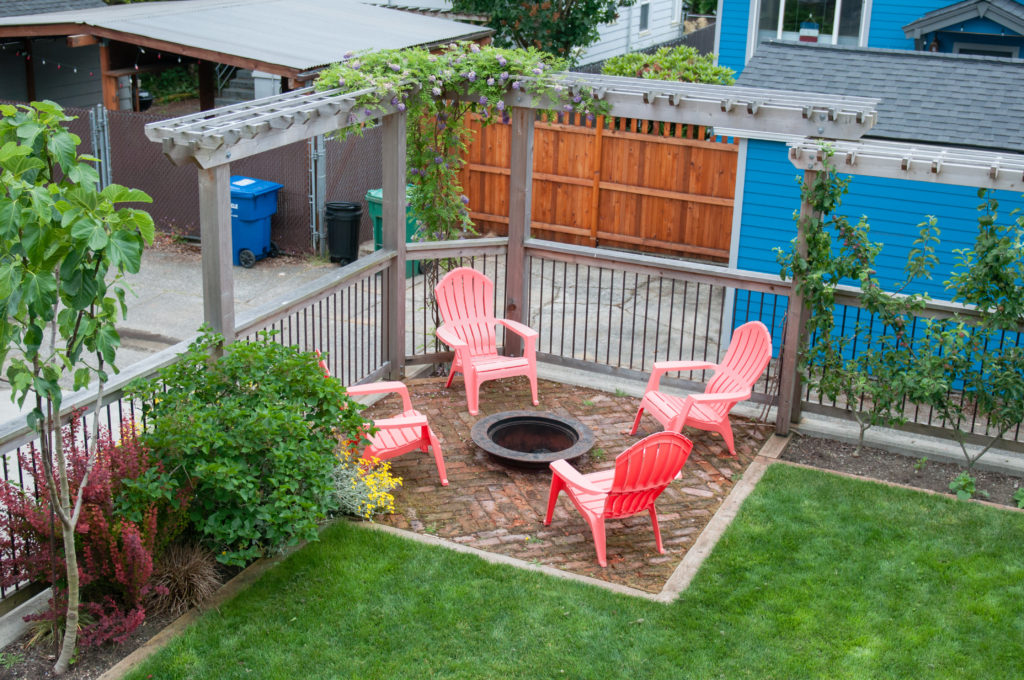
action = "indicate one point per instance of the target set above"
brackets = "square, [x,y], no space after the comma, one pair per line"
[465,298]
[749,352]
[405,432]
[641,473]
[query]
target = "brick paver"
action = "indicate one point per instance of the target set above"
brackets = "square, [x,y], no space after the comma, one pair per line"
[500,509]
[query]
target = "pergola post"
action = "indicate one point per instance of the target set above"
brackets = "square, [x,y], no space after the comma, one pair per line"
[393,237]
[517,277]
[215,236]
[789,406]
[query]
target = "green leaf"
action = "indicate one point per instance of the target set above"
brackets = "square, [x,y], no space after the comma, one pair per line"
[91,232]
[22,164]
[62,145]
[39,290]
[115,193]
[83,173]
[125,251]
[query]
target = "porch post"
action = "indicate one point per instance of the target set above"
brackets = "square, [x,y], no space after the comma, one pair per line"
[517,275]
[393,237]
[215,236]
[796,316]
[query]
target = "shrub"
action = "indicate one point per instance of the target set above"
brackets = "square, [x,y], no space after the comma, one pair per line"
[682,63]
[252,434]
[361,490]
[188,576]
[119,530]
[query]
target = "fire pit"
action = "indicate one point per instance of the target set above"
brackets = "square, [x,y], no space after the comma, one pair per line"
[532,439]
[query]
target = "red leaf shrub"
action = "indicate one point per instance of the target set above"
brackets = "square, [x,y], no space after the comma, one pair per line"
[131,509]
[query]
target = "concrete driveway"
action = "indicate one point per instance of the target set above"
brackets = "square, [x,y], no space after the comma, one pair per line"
[165,300]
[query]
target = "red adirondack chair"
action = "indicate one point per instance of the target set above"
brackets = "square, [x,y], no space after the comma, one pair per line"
[749,353]
[465,298]
[408,431]
[641,473]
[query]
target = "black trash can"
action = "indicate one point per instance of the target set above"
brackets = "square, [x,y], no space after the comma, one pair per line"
[343,231]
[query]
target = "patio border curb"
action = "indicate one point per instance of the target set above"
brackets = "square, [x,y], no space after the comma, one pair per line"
[229,590]
[498,558]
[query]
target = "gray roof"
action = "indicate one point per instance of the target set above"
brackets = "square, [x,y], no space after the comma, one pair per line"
[295,34]
[926,97]
[10,8]
[1006,13]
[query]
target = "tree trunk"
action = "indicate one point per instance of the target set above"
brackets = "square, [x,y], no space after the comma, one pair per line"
[67,526]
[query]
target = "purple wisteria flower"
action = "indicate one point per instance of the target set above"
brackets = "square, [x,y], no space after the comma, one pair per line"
[356,64]
[394,101]
[558,88]
[538,71]
[578,98]
[438,160]
[414,171]
[504,76]
[483,100]
[500,105]
[436,91]
[401,106]
[395,67]
[442,125]
[490,81]
[349,55]
[465,199]
[502,61]
[504,117]
[471,76]
[515,85]
[567,107]
[474,48]
[590,118]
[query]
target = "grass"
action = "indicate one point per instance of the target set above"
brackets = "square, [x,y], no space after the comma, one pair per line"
[819,577]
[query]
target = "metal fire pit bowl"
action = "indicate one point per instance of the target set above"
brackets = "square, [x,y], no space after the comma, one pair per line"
[532,439]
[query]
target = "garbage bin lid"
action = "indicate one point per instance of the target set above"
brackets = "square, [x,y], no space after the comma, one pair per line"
[242,187]
[377,195]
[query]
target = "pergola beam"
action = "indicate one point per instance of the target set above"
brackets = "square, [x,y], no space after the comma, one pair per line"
[942,165]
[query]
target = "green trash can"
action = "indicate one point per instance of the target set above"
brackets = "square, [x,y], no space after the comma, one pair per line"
[375,206]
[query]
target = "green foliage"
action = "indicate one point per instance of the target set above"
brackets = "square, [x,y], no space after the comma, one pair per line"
[65,247]
[682,63]
[920,464]
[874,383]
[361,490]
[963,485]
[9,660]
[440,91]
[561,27]
[253,435]
[1018,496]
[172,84]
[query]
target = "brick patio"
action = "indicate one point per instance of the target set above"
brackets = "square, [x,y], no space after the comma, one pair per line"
[501,509]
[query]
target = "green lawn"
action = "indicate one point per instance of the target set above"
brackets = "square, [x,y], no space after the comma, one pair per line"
[819,577]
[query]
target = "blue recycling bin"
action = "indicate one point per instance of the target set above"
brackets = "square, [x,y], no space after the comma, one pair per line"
[253,201]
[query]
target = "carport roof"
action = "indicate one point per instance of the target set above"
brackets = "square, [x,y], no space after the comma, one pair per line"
[292,35]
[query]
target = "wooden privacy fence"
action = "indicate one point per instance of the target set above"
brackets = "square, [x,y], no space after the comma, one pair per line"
[657,187]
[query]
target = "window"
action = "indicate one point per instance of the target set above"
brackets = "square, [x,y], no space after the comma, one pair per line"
[645,16]
[824,21]
[983,50]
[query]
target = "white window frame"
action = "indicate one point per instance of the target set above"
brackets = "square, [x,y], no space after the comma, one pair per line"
[640,18]
[677,12]
[1012,51]
[754,22]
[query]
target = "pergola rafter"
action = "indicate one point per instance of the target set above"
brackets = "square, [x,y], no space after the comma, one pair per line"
[943,165]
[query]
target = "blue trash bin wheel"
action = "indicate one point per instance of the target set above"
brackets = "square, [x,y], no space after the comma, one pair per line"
[246,258]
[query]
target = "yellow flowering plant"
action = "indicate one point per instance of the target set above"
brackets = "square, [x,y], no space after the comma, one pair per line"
[362,489]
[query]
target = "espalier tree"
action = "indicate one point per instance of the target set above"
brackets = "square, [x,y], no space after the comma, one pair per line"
[65,247]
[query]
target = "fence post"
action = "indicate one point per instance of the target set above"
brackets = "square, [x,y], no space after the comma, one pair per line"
[595,199]
[393,145]
[215,235]
[520,194]
[796,313]
[318,193]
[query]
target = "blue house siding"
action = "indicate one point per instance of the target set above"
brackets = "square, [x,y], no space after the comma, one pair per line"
[889,18]
[894,209]
[733,20]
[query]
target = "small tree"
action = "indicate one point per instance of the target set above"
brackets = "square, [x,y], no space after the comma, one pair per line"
[561,27]
[874,383]
[64,248]
[971,369]
[683,63]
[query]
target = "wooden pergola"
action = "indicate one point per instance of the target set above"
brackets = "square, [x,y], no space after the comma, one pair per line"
[213,139]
